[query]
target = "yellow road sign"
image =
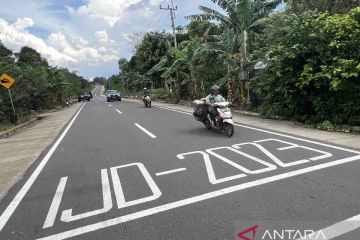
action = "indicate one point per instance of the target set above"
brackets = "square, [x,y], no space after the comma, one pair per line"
[6,81]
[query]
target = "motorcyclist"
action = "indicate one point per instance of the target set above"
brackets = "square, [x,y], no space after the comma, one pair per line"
[146,93]
[212,98]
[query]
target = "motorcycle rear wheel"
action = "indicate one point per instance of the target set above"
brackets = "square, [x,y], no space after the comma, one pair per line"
[228,130]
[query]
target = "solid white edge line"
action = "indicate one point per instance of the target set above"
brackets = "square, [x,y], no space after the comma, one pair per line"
[119,111]
[144,130]
[171,171]
[5,216]
[54,207]
[187,201]
[337,229]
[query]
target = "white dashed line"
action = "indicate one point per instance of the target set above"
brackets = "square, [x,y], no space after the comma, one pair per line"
[171,171]
[145,131]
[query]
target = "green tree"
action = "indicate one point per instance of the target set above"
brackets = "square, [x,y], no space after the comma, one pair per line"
[38,86]
[239,17]
[312,71]
[332,6]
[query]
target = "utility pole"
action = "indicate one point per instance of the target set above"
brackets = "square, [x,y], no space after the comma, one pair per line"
[172,10]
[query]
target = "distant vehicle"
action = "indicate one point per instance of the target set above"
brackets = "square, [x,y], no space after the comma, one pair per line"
[113,95]
[84,97]
[147,101]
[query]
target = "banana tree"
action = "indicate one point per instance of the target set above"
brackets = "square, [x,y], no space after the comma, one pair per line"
[238,18]
[184,63]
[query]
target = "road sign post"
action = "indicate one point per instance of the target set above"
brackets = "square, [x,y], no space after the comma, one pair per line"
[6,81]
[12,103]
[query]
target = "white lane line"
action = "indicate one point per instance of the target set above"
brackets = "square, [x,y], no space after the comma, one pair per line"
[171,171]
[187,201]
[336,230]
[145,131]
[5,216]
[110,105]
[274,133]
[118,111]
[54,207]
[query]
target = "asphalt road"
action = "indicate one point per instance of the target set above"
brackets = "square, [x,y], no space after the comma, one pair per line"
[121,171]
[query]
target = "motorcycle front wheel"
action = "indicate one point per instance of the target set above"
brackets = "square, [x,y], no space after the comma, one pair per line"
[228,130]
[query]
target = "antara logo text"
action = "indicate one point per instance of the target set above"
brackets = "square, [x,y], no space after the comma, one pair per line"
[284,234]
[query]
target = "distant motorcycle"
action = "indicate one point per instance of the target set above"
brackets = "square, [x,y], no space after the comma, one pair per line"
[147,101]
[223,121]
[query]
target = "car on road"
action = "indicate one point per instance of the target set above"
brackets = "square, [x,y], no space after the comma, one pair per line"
[83,97]
[113,95]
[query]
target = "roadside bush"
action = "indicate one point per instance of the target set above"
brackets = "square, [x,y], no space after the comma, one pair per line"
[313,70]
[159,93]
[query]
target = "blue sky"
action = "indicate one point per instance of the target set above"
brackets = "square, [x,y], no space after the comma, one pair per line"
[87,36]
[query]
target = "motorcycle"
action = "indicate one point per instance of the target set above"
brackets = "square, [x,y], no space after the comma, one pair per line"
[223,120]
[147,101]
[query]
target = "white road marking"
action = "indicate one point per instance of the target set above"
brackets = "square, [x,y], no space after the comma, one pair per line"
[119,111]
[269,166]
[145,131]
[5,216]
[171,171]
[337,229]
[187,201]
[292,146]
[210,169]
[110,105]
[54,207]
[67,216]
[274,133]
[120,198]
[93,227]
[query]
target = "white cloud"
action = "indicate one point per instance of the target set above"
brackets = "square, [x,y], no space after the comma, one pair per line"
[77,26]
[81,42]
[22,23]
[103,37]
[58,40]
[110,11]
[58,50]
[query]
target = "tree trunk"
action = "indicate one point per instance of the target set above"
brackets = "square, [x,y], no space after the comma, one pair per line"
[195,91]
[202,88]
[166,86]
[231,88]
[242,92]
[177,85]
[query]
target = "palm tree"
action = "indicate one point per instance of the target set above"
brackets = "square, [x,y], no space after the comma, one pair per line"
[238,18]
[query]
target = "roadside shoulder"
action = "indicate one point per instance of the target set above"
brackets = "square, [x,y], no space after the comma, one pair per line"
[20,151]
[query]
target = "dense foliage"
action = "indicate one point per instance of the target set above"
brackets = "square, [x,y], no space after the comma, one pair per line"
[313,67]
[38,86]
[301,62]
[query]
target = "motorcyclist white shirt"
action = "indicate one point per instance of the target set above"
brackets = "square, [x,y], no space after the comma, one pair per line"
[211,99]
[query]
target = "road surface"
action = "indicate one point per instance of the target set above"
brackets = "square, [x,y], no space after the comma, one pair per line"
[121,171]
